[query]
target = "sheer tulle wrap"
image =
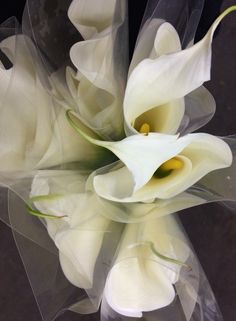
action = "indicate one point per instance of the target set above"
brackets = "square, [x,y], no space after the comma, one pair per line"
[85,251]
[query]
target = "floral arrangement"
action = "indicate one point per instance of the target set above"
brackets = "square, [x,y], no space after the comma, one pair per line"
[98,157]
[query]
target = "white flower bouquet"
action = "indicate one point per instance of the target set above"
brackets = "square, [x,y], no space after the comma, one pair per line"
[98,157]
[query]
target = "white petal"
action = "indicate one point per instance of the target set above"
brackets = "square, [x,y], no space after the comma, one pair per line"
[81,247]
[91,17]
[164,119]
[117,185]
[169,77]
[139,281]
[78,237]
[156,38]
[167,117]
[129,290]
[206,153]
[145,41]
[167,40]
[200,154]
[144,154]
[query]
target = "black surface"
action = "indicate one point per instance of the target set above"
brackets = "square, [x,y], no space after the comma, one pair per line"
[211,228]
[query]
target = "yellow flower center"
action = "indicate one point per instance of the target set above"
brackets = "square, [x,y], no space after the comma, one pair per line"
[144,129]
[173,163]
[166,168]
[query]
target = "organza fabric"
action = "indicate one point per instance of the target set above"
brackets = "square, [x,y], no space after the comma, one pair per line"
[52,159]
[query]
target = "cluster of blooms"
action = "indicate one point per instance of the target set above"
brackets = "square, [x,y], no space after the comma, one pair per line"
[109,164]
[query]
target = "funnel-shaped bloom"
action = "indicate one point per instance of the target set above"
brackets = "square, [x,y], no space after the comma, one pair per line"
[157,85]
[141,279]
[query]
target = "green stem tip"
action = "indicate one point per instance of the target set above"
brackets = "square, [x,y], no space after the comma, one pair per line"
[161,256]
[38,198]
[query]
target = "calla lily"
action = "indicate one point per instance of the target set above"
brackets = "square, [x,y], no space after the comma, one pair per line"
[157,85]
[28,140]
[79,233]
[152,171]
[166,118]
[140,280]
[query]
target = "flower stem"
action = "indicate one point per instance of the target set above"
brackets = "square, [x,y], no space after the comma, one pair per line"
[39,198]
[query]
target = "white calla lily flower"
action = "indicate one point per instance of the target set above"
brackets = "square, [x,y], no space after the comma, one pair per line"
[34,131]
[161,81]
[140,280]
[189,112]
[79,234]
[165,118]
[152,171]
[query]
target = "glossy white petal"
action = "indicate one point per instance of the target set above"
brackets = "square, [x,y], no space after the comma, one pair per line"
[199,154]
[140,281]
[164,118]
[80,247]
[169,77]
[129,291]
[79,236]
[145,42]
[142,154]
[166,41]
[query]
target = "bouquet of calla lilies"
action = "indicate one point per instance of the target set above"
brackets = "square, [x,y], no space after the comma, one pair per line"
[98,157]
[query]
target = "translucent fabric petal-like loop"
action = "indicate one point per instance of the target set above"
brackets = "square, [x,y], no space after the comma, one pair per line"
[184,15]
[200,107]
[100,62]
[46,23]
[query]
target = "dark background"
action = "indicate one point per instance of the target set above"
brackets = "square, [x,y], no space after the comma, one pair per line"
[211,228]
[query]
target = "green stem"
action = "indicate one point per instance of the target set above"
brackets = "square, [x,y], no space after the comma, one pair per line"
[166,258]
[73,124]
[163,257]
[39,198]
[40,214]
